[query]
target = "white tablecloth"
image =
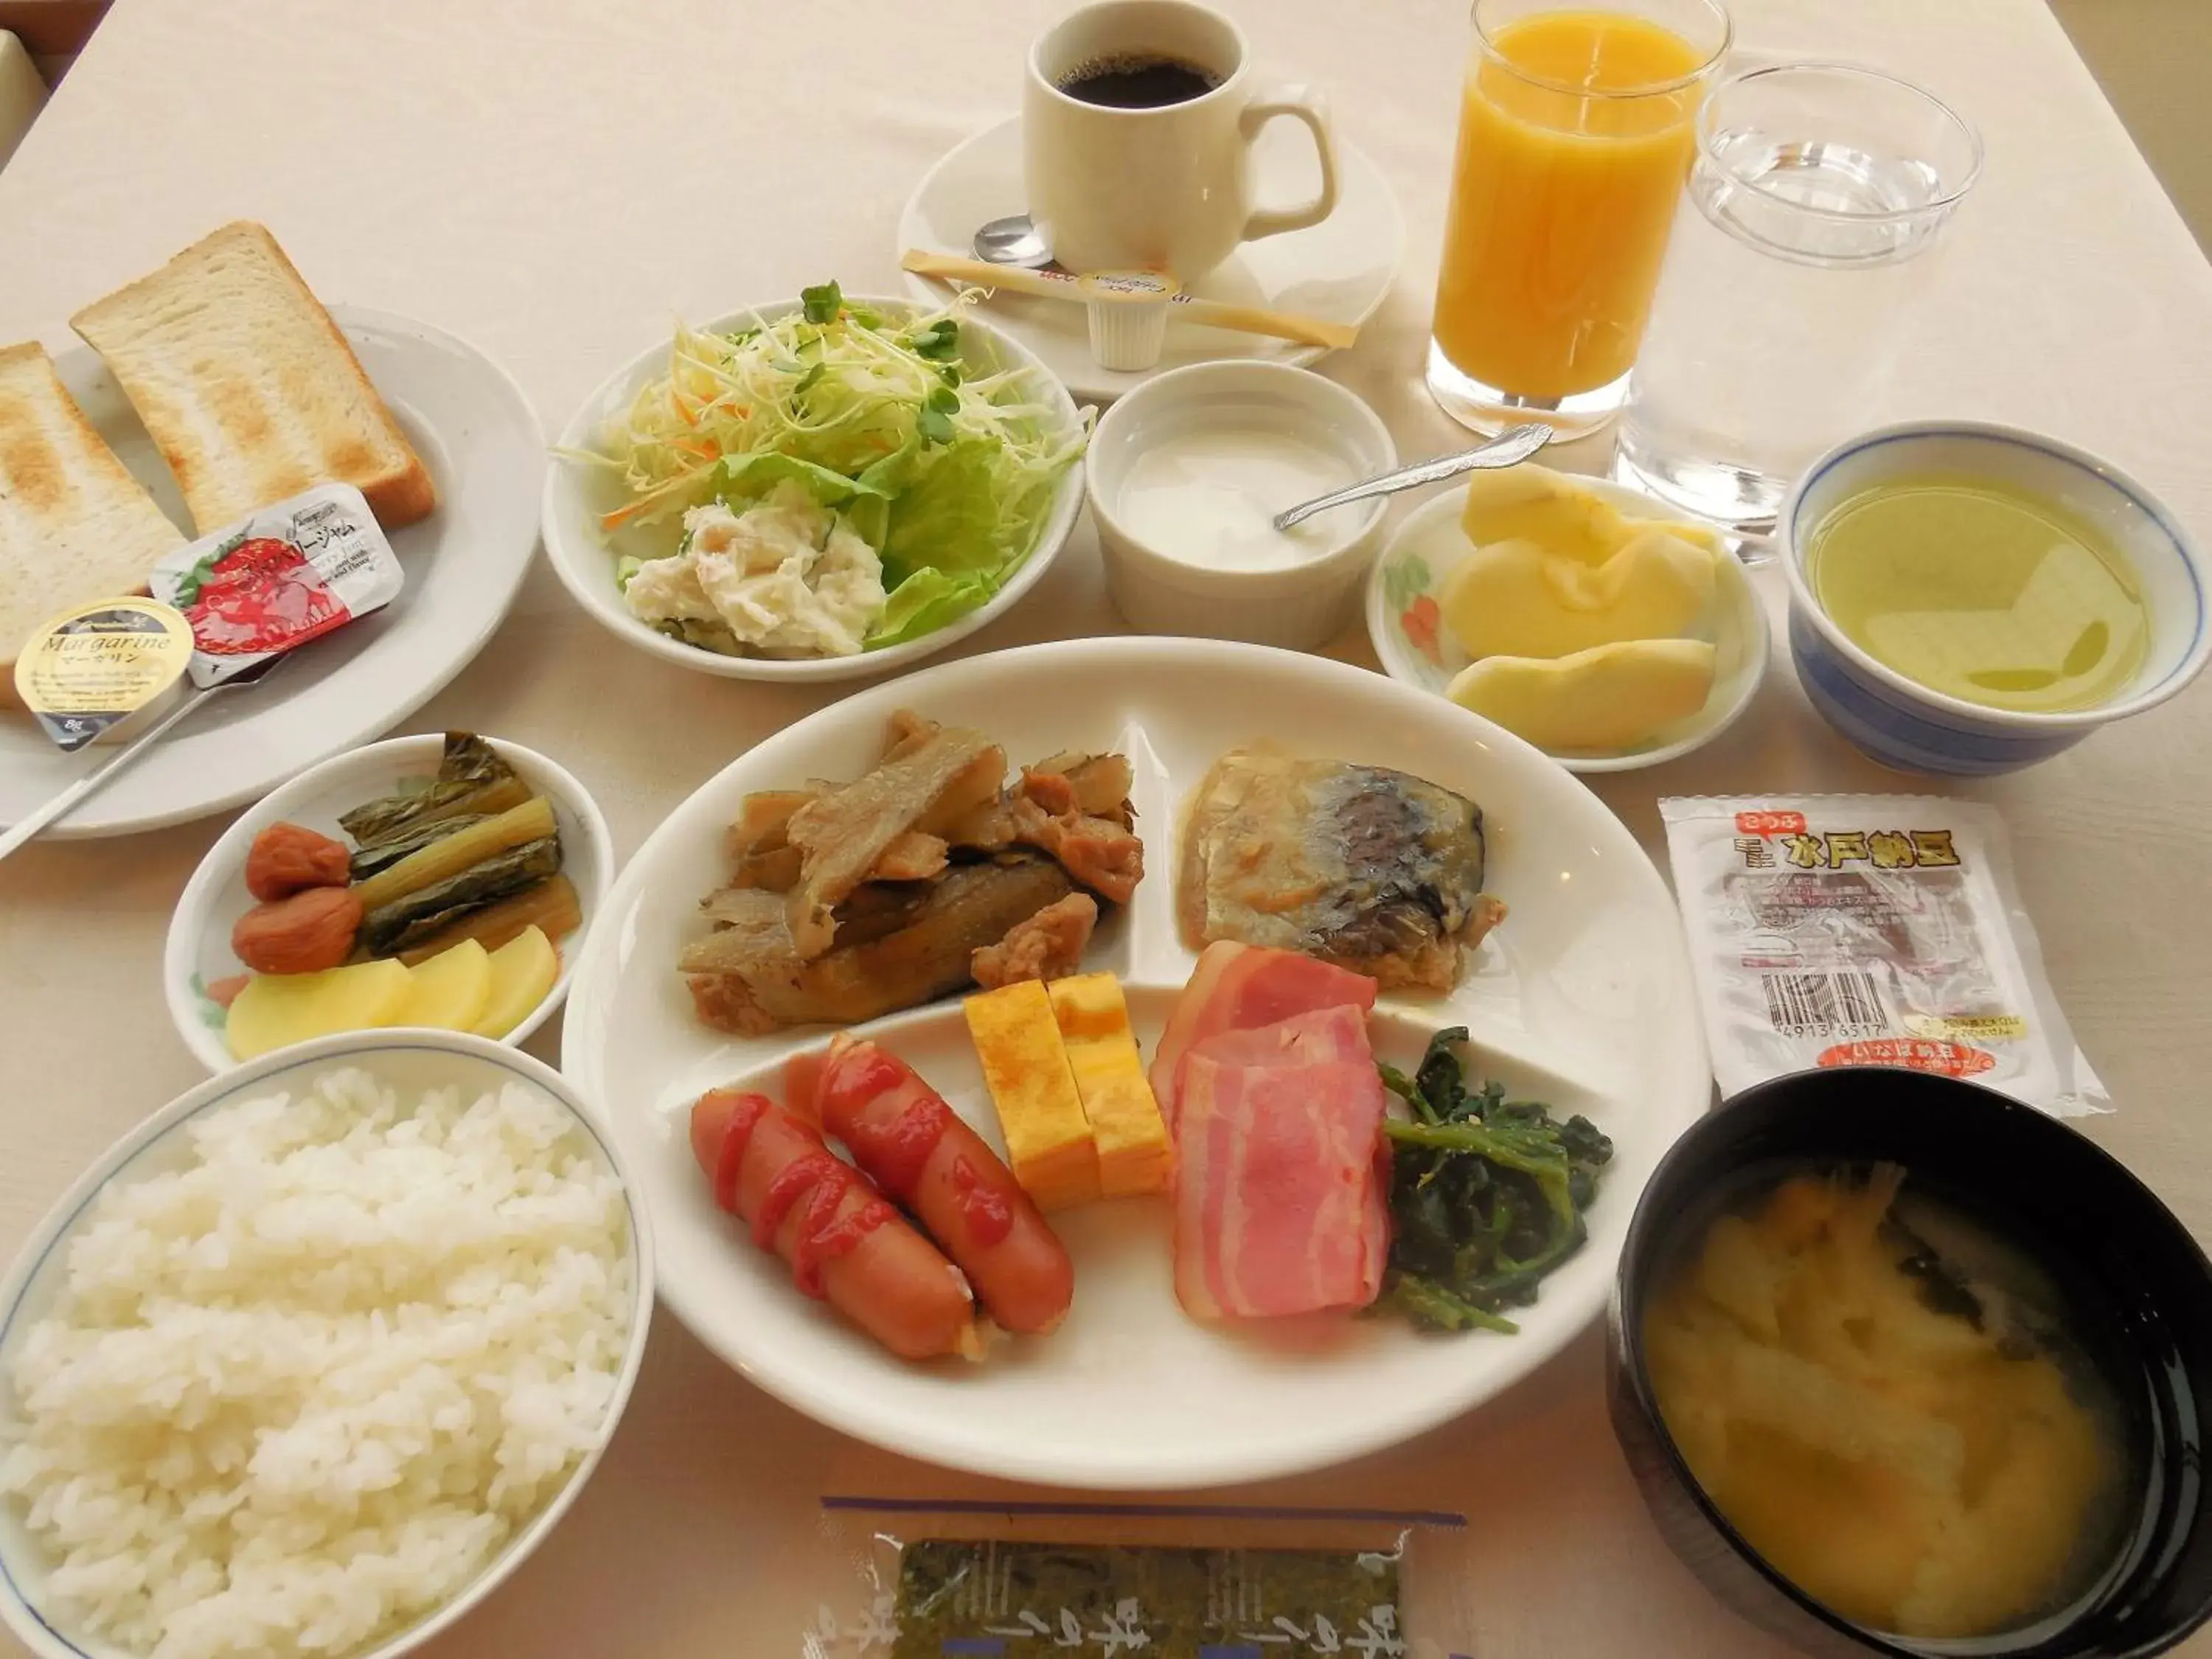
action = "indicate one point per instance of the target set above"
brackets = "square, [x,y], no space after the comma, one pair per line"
[556,178]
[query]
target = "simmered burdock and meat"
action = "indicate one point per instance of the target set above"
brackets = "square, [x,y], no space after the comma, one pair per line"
[927,874]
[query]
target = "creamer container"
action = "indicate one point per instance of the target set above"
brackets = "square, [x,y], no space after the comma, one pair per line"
[103,671]
[278,578]
[1868,930]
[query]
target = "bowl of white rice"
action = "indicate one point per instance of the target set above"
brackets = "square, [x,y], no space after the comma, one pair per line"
[310,1361]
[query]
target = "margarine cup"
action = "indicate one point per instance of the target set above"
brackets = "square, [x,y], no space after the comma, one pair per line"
[1166,188]
[103,672]
[1904,724]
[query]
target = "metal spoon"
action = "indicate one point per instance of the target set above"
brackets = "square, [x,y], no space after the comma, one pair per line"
[1013,240]
[59,805]
[1506,449]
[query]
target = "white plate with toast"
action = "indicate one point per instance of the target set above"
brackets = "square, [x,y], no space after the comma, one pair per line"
[1581,997]
[477,437]
[209,390]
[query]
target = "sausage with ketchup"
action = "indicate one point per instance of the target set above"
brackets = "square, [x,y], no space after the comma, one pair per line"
[901,1131]
[842,1242]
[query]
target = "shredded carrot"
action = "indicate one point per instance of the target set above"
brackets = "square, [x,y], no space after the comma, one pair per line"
[623,515]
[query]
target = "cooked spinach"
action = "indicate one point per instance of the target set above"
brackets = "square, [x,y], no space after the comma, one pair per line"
[1486,1194]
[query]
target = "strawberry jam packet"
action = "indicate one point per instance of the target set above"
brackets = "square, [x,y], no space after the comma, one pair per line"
[1868,930]
[278,578]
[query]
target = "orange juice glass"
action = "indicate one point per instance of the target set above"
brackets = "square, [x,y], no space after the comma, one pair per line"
[1576,131]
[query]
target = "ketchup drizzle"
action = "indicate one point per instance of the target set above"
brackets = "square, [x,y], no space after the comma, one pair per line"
[737,1135]
[816,1184]
[856,1073]
[982,1204]
[896,1151]
[824,1243]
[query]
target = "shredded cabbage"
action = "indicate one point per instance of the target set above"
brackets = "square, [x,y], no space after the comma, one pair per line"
[946,468]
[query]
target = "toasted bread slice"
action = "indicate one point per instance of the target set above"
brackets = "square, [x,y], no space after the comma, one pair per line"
[248,386]
[75,526]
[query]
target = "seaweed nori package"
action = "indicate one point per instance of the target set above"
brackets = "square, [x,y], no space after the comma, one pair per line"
[903,1579]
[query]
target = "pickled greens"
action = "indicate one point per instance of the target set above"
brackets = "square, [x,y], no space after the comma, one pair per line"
[946,464]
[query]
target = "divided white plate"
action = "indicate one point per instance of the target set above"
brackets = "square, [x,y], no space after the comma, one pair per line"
[1340,270]
[477,433]
[1584,994]
[1428,545]
[198,953]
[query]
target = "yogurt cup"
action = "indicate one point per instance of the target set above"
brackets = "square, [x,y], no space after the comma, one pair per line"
[1164,589]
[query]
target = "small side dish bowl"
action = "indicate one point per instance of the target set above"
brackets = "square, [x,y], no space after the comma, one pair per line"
[1297,607]
[406,1062]
[1407,627]
[198,955]
[576,494]
[2079,1215]
[1903,723]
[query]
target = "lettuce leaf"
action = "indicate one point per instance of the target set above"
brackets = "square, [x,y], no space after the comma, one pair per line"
[864,502]
[951,516]
[744,479]
[926,601]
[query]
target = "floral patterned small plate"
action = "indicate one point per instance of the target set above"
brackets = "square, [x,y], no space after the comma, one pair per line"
[1406,625]
[199,958]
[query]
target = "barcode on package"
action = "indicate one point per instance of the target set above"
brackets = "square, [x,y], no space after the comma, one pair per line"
[1823,1004]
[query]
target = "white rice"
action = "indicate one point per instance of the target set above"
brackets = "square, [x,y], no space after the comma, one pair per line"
[296,1395]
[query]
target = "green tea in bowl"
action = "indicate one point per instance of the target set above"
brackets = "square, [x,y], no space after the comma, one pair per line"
[1970,599]
[1983,590]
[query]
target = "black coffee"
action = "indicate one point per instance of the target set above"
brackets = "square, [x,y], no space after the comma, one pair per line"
[1138,83]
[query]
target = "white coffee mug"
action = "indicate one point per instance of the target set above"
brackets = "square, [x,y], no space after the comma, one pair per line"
[1167,188]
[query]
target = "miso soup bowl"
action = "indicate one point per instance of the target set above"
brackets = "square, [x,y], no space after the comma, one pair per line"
[2076,1211]
[1903,723]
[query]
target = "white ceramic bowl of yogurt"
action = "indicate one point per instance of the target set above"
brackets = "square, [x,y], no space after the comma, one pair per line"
[1183,476]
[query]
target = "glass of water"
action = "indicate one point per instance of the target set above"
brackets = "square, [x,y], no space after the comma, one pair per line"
[1820,193]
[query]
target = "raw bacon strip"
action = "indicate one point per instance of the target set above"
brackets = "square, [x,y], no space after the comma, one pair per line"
[1324,1035]
[1280,1207]
[1237,987]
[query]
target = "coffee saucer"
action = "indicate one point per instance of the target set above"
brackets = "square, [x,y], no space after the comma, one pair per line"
[1340,270]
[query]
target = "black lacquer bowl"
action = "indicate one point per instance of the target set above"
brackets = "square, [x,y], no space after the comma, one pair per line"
[2121,1253]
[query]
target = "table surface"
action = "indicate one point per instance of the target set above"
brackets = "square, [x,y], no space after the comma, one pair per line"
[555,179]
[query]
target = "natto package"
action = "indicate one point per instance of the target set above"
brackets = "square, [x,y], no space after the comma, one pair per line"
[1868,930]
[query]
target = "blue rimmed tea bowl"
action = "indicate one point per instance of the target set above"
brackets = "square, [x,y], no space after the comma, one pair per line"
[1905,725]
